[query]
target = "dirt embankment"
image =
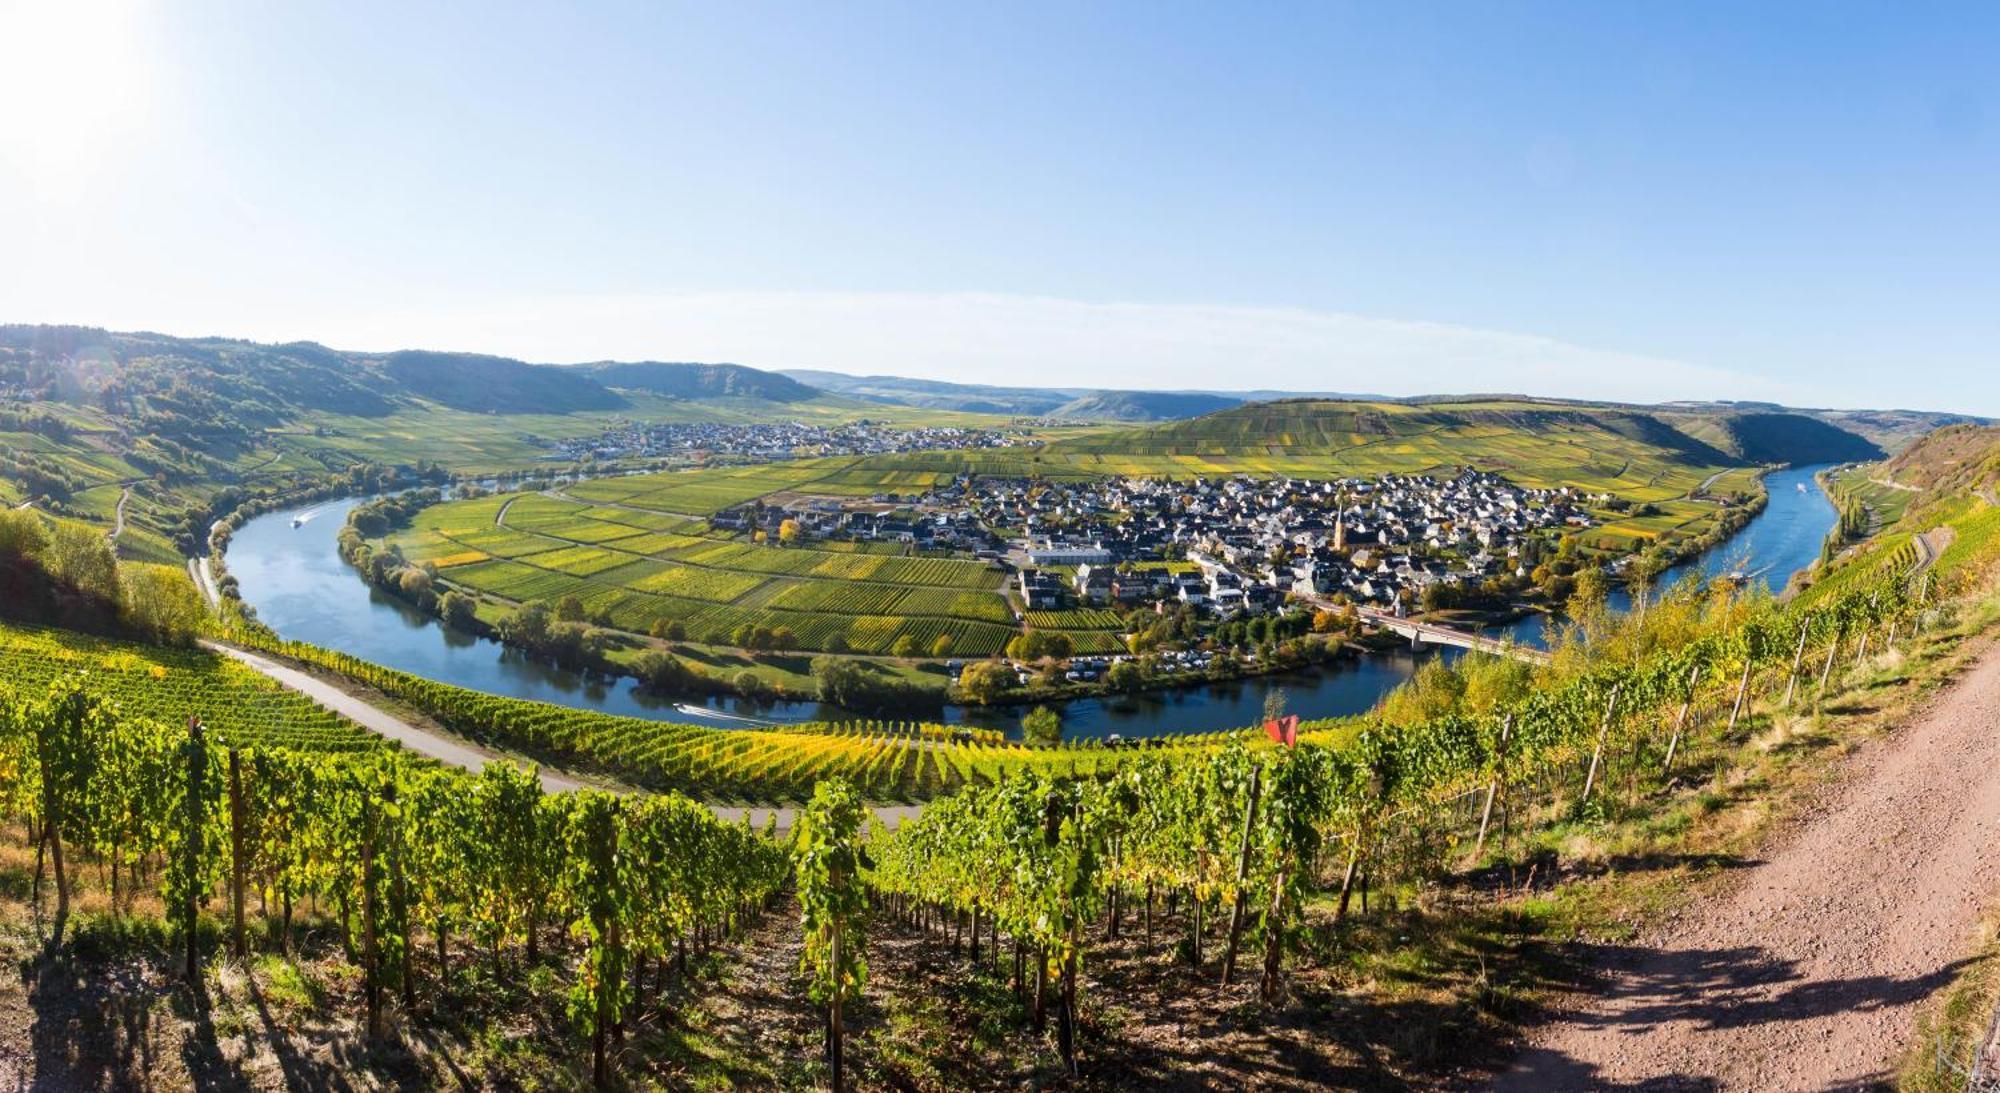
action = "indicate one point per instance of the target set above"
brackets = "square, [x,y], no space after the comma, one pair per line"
[1806,969]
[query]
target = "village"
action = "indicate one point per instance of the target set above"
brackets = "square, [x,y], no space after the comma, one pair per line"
[1224,547]
[773,440]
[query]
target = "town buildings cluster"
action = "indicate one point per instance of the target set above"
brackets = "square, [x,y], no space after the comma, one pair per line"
[1228,545]
[774,440]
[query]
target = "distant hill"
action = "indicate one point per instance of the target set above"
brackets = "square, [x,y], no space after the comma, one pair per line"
[214,388]
[939,395]
[470,381]
[698,381]
[1777,437]
[1890,430]
[1142,405]
[1079,403]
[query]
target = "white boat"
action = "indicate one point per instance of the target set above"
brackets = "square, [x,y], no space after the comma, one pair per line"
[1801,486]
[298,521]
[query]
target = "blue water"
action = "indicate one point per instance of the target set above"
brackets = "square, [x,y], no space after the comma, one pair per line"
[302,589]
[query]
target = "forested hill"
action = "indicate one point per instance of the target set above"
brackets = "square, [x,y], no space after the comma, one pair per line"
[233,383]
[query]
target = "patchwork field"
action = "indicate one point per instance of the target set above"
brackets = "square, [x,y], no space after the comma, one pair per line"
[629,549]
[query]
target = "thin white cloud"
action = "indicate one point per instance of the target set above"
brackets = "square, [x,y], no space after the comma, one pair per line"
[1032,340]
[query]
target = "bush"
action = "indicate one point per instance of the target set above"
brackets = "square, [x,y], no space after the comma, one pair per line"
[1042,727]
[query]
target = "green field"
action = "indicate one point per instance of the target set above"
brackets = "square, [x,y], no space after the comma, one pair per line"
[630,550]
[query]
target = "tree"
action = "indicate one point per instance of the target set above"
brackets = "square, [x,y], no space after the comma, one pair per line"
[528,626]
[789,531]
[22,533]
[1125,676]
[1587,598]
[414,584]
[161,602]
[663,673]
[942,646]
[457,608]
[1042,727]
[570,609]
[985,681]
[80,557]
[904,646]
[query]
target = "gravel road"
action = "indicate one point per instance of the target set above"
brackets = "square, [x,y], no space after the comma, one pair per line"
[1805,970]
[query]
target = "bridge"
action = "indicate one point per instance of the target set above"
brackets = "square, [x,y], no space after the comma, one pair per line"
[1429,633]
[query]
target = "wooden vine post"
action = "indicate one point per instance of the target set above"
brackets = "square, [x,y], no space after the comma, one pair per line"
[1493,785]
[1742,687]
[1597,753]
[371,955]
[1798,656]
[1826,669]
[236,864]
[1680,719]
[1242,876]
[828,859]
[195,818]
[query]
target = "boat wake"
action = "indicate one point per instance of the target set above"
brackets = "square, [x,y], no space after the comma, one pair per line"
[705,711]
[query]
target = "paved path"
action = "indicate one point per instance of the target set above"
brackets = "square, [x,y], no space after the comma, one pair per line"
[1805,971]
[417,739]
[204,579]
[118,525]
[456,753]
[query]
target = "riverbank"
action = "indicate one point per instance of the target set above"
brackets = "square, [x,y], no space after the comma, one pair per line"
[300,587]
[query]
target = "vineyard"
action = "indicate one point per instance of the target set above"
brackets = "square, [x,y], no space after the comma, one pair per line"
[1239,851]
[885,761]
[1245,838]
[389,849]
[638,568]
[240,707]
[1225,843]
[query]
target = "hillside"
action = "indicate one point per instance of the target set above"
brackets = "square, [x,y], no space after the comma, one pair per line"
[698,381]
[1955,459]
[1630,453]
[1077,403]
[939,395]
[1776,437]
[494,385]
[226,388]
[1143,405]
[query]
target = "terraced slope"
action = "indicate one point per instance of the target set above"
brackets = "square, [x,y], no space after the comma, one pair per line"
[1534,443]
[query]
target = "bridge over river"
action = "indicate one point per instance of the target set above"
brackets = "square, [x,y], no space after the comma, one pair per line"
[1423,633]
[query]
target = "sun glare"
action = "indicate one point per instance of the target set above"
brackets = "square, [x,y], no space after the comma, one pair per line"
[74,84]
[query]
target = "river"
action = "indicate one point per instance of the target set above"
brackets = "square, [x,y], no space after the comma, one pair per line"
[301,588]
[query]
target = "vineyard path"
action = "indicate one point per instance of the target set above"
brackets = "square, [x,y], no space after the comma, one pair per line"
[1807,967]
[457,753]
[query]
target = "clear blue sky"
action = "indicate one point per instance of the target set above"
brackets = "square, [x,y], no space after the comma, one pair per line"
[1627,200]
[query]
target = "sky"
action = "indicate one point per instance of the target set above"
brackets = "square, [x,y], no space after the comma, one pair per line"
[1798,203]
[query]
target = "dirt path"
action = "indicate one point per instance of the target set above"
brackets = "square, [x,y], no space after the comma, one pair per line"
[1806,970]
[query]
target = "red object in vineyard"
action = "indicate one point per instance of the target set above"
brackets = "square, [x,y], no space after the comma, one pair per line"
[1283,730]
